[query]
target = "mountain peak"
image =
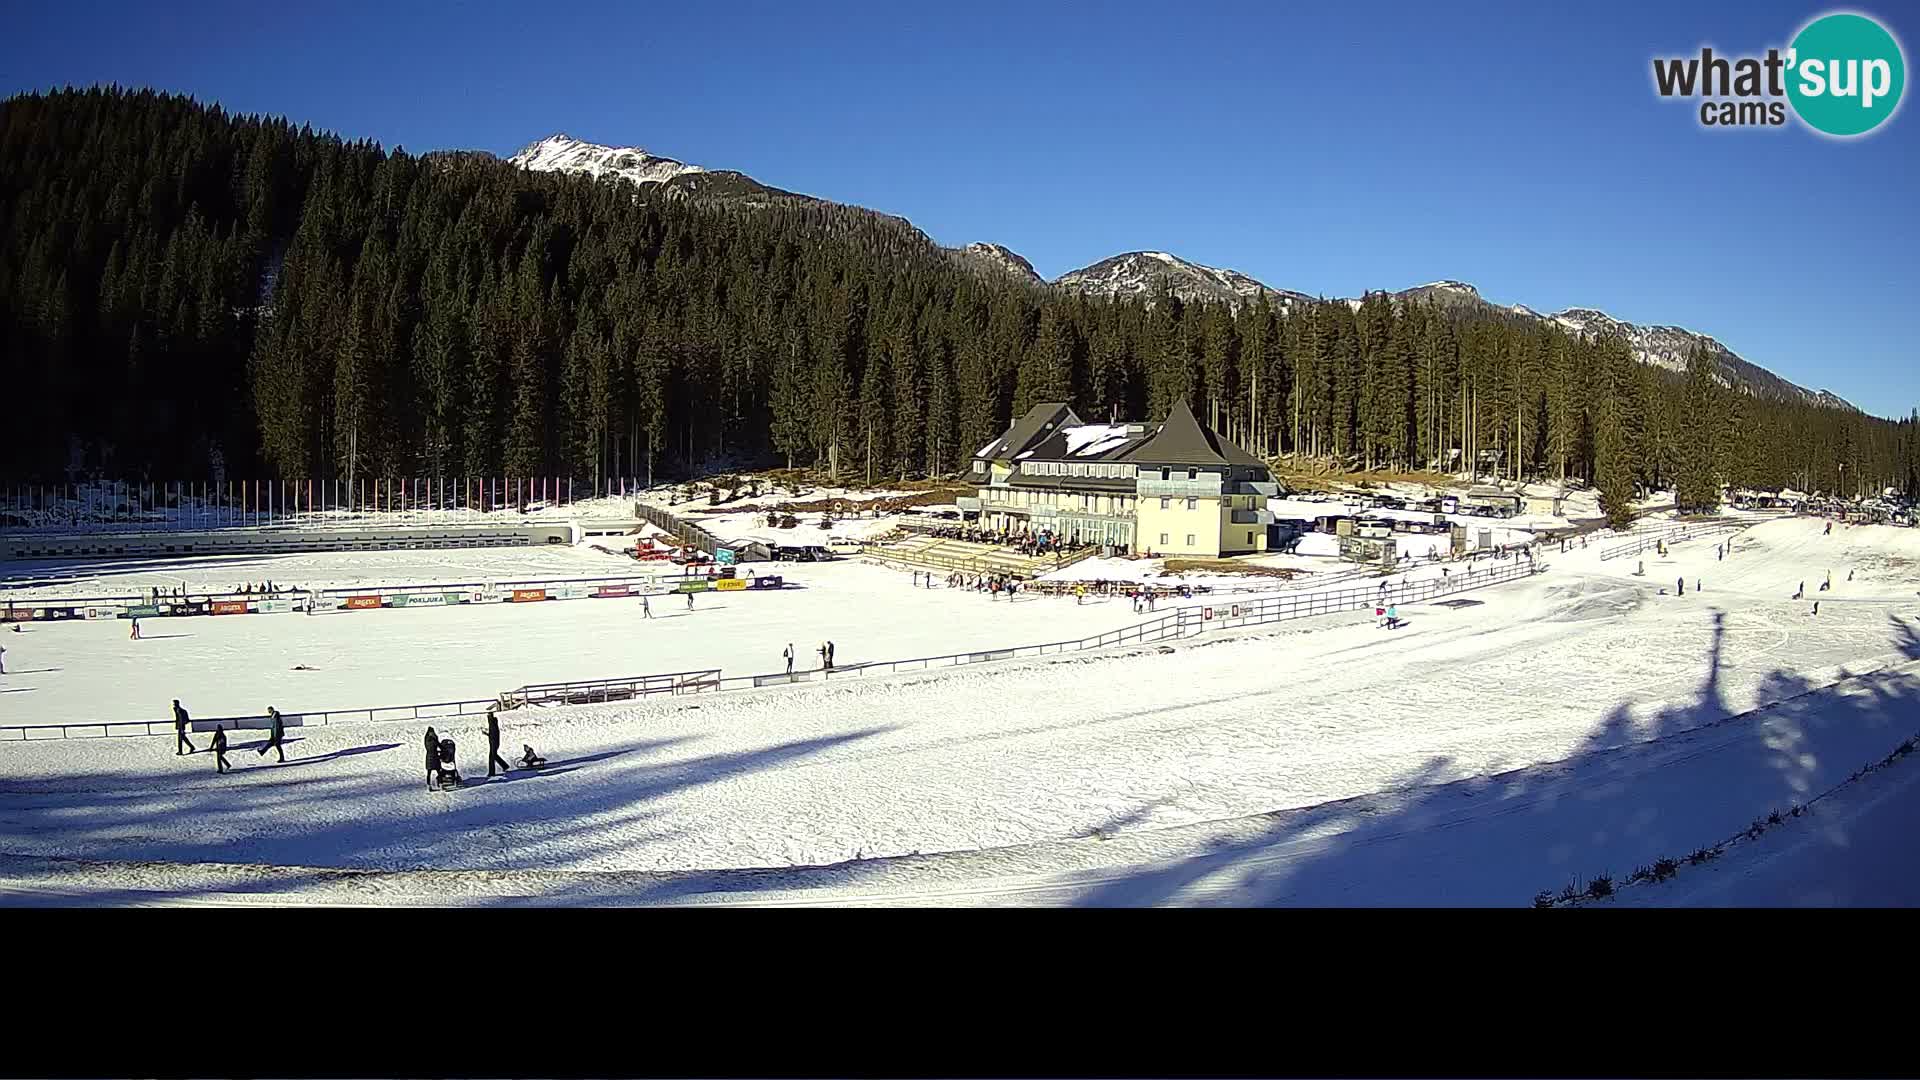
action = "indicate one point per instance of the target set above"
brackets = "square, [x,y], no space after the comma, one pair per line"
[561,152]
[1136,273]
[1001,259]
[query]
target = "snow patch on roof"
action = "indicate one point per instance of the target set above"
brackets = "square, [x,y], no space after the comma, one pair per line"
[1089,439]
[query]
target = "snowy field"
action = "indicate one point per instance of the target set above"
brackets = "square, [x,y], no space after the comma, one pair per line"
[239,664]
[1572,724]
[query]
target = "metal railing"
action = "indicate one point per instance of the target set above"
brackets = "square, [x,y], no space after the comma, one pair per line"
[593,691]
[1671,534]
[1181,622]
[112,729]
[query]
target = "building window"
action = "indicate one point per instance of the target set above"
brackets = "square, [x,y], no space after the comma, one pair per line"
[1166,472]
[1189,539]
[1249,539]
[1163,539]
[1164,503]
[1193,503]
[1193,474]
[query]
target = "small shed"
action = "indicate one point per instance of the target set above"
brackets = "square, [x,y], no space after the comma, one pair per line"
[1493,499]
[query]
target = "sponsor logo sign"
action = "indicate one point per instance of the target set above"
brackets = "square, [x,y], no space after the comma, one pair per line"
[522,596]
[142,611]
[771,581]
[730,585]
[606,591]
[356,602]
[431,599]
[694,585]
[229,607]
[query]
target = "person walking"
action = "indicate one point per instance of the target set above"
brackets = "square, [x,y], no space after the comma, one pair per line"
[220,750]
[493,744]
[275,731]
[829,654]
[135,635]
[433,759]
[646,609]
[180,729]
[787,653]
[1681,586]
[689,601]
[3,654]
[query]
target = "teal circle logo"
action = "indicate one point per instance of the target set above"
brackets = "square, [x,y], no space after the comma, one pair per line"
[1845,74]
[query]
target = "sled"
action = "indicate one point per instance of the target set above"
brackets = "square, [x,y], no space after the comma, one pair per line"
[448,781]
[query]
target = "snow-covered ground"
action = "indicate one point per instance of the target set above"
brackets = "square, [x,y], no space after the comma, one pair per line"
[1323,762]
[239,664]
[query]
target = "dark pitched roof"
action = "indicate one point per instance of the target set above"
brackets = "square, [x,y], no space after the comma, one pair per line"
[1041,420]
[1183,440]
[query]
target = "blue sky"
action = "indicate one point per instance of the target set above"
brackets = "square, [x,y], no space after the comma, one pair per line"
[1516,146]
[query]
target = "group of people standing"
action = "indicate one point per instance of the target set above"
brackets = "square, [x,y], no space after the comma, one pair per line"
[276,738]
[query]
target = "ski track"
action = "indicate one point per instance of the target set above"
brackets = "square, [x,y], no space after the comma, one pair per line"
[985,785]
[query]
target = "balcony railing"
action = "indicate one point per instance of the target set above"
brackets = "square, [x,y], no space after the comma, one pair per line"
[1206,486]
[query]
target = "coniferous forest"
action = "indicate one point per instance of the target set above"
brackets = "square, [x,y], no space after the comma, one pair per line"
[184,292]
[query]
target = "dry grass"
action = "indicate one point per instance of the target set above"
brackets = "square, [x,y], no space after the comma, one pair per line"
[1306,474]
[1226,566]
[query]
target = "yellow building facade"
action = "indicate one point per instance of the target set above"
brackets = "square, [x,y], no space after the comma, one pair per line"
[1173,488]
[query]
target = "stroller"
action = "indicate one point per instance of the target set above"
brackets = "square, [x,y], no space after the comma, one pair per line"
[449,776]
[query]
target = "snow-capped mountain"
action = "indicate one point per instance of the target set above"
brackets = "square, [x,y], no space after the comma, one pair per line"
[994,258]
[1136,273]
[564,153]
[1667,347]
[1661,346]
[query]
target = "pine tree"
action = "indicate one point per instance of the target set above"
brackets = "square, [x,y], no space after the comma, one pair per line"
[1696,480]
[1613,470]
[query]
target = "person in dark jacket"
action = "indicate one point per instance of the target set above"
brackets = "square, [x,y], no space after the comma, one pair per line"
[220,750]
[433,759]
[493,744]
[276,730]
[180,729]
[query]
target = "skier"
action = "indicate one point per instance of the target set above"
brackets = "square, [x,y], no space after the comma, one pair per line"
[135,635]
[275,733]
[1849,575]
[220,750]
[180,729]
[1816,608]
[787,653]
[646,609]
[493,744]
[3,654]
[433,760]
[689,601]
[1681,586]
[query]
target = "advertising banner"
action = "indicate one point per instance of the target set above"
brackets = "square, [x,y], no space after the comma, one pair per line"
[570,592]
[522,596]
[274,607]
[694,585]
[723,556]
[358,602]
[229,607]
[427,599]
[730,585]
[770,581]
[607,591]
[102,613]
[17,615]
[143,611]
